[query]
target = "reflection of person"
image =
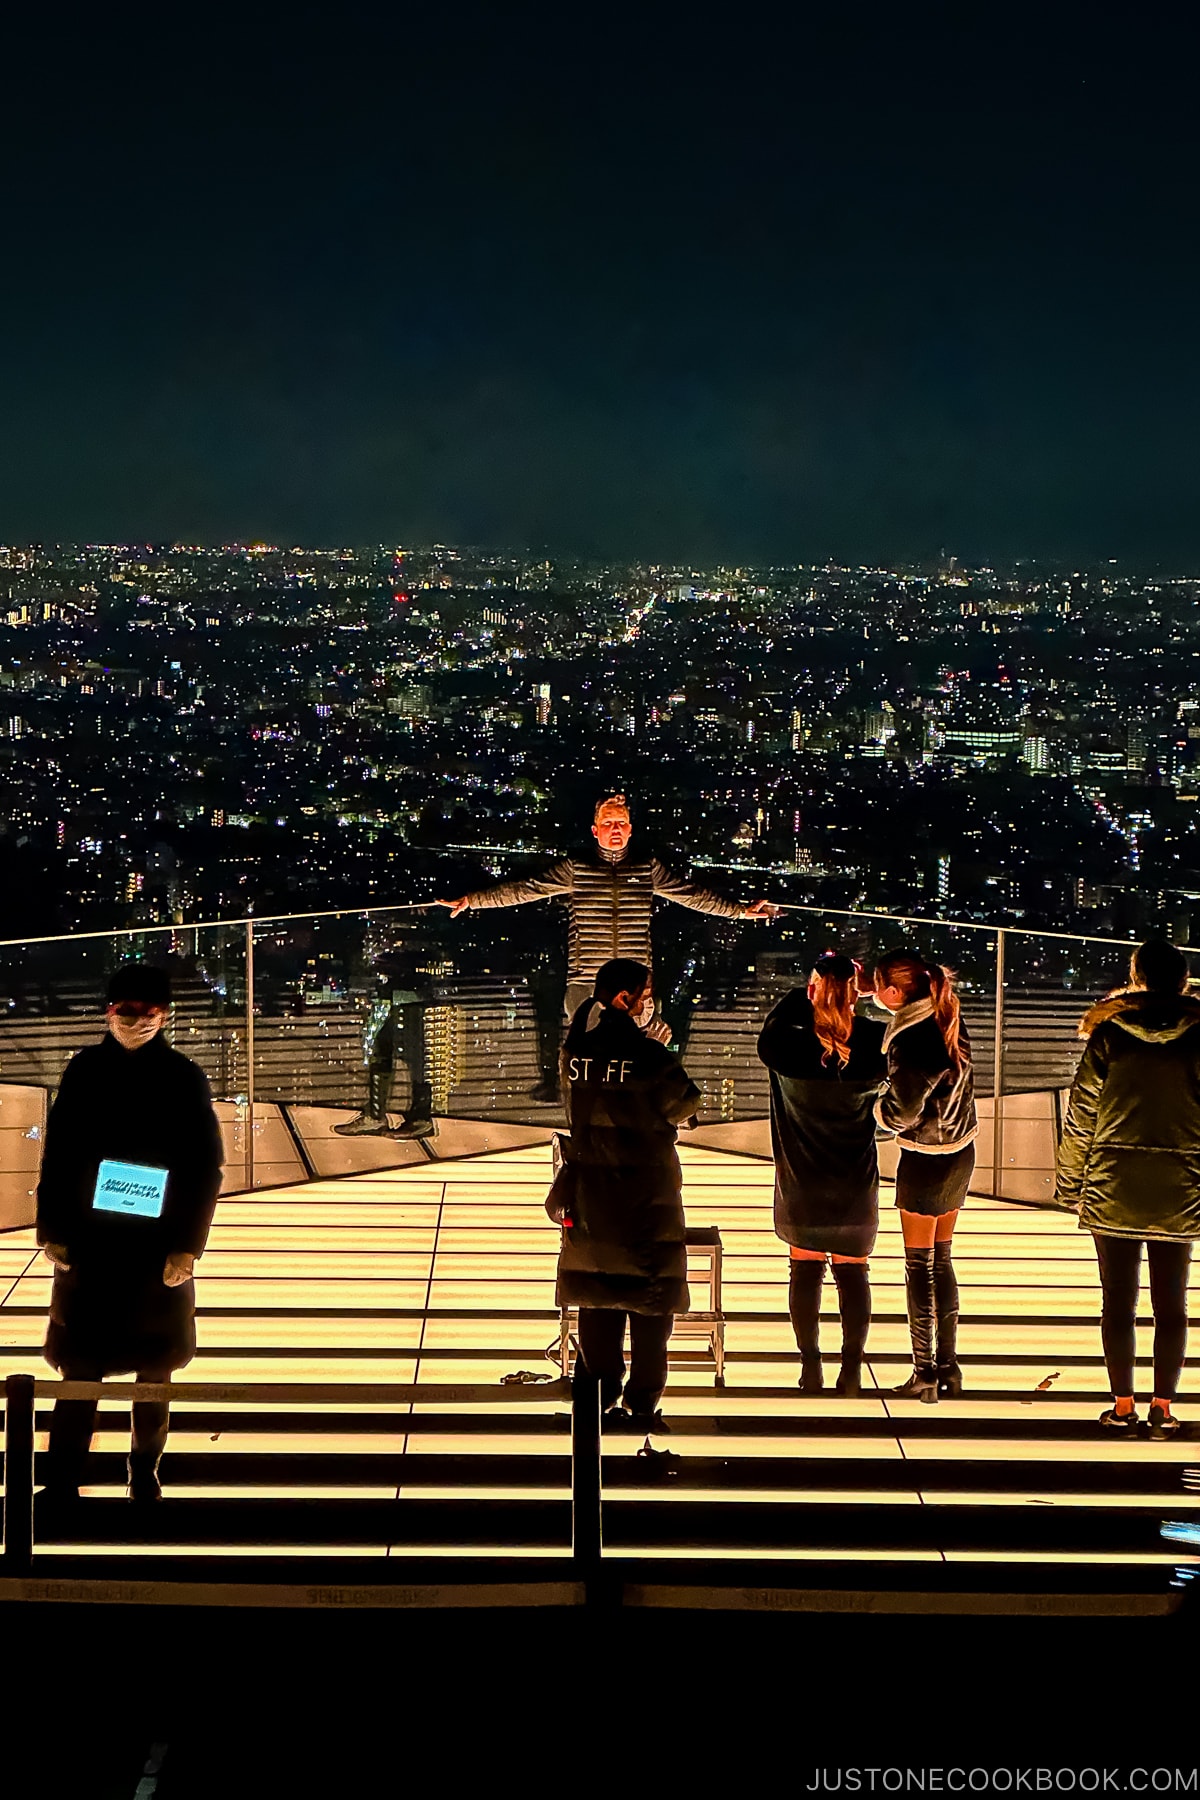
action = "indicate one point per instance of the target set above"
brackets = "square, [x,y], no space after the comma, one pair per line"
[395,1026]
[1127,1162]
[827,1067]
[930,1104]
[123,1299]
[619,1197]
[609,899]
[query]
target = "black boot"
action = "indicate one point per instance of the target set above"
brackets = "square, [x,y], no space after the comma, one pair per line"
[945,1288]
[804,1308]
[922,1324]
[854,1304]
[144,1484]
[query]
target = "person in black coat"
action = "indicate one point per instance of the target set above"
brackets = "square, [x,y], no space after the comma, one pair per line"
[827,1067]
[123,1297]
[619,1194]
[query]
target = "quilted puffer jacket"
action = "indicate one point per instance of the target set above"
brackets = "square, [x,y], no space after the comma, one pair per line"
[610,905]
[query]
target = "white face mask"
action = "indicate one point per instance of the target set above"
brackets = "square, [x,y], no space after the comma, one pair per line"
[645,1013]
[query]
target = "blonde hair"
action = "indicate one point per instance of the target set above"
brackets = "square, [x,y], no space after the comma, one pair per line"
[919,980]
[834,992]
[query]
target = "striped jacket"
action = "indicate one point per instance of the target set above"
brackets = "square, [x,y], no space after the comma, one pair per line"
[609,904]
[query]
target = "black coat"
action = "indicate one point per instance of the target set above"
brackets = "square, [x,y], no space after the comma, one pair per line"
[1130,1152]
[823,1130]
[928,1102]
[619,1197]
[111,1307]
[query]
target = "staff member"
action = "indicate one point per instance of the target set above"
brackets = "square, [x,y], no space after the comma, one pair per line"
[619,1196]
[123,1299]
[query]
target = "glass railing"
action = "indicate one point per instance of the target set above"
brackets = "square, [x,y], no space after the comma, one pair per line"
[345,1041]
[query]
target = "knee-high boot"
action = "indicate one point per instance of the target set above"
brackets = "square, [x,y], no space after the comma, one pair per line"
[854,1304]
[922,1323]
[945,1289]
[804,1307]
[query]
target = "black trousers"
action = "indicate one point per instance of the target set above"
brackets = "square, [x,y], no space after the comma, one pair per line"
[1120,1267]
[73,1422]
[602,1347]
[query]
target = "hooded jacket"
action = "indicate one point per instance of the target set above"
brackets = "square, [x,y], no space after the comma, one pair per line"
[823,1130]
[1130,1152]
[928,1103]
[151,1106]
[619,1196]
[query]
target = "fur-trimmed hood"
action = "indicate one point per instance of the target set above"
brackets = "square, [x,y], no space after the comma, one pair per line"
[1155,1018]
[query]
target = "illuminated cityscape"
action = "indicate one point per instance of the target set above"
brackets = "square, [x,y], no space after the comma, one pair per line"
[599,697]
[193,733]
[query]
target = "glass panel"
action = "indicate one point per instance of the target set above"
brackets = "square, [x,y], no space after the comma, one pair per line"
[52,1004]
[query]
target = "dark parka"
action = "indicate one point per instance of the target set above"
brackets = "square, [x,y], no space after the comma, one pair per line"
[111,1306]
[823,1130]
[929,1102]
[1130,1152]
[619,1195]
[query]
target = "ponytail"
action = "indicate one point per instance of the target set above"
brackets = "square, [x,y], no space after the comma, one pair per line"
[834,990]
[947,1012]
[919,980]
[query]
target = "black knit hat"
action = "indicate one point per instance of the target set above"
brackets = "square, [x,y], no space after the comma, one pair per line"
[138,981]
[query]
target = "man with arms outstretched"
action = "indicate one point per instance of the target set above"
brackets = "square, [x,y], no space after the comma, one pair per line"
[609,899]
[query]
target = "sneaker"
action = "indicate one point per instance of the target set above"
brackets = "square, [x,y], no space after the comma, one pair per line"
[812,1379]
[1163,1423]
[362,1126]
[849,1384]
[1121,1422]
[546,1091]
[413,1128]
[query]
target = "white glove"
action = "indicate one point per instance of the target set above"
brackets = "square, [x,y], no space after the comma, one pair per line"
[57,1254]
[178,1268]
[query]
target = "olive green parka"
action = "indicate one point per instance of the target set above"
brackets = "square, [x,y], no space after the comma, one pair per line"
[1129,1160]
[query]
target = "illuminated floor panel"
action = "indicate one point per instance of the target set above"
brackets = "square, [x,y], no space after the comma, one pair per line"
[368,1279]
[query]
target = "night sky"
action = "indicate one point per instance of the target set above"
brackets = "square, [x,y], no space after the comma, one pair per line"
[610,280]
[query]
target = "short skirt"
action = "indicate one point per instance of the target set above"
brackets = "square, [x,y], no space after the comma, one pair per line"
[933,1185]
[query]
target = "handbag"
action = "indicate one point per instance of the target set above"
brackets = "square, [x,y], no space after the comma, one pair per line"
[562,1188]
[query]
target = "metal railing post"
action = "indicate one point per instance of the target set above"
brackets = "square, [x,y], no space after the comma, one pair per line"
[998,1073]
[250,1054]
[586,1535]
[18,1474]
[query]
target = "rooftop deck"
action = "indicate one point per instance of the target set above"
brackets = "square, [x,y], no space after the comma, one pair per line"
[443,1273]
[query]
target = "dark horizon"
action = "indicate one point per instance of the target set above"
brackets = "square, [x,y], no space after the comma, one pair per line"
[806,292]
